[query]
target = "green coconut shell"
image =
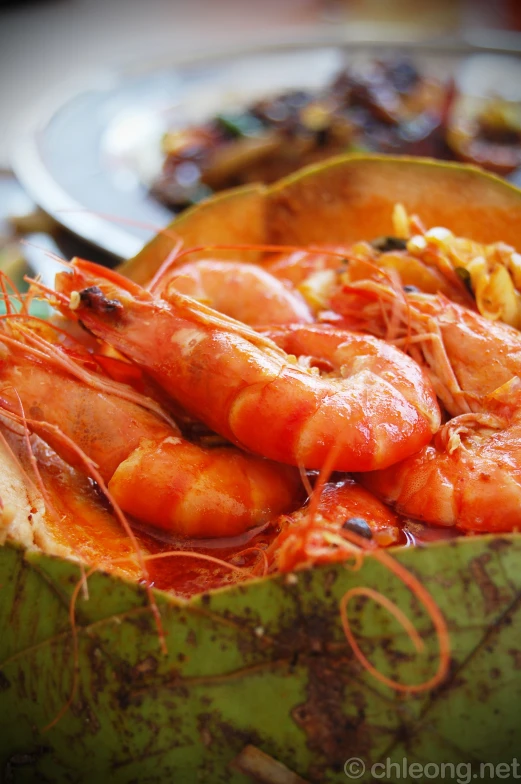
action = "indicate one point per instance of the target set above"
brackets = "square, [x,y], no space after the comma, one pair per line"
[267,662]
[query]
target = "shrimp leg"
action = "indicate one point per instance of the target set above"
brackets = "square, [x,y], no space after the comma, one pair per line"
[152,472]
[250,391]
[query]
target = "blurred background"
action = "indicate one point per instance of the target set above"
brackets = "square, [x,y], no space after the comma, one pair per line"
[51,50]
[46,43]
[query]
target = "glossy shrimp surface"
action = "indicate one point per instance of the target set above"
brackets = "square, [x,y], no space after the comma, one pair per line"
[470,475]
[466,356]
[253,393]
[309,536]
[152,471]
[245,292]
[297,266]
[355,390]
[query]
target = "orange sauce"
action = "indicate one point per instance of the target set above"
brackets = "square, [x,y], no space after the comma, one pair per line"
[187,575]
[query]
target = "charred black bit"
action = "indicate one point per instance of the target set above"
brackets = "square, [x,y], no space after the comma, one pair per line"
[361,108]
[93,298]
[358,526]
[20,760]
[410,289]
[498,125]
[322,137]
[84,326]
[384,244]
[99,493]
[464,275]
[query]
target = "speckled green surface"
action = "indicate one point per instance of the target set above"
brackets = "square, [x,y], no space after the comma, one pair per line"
[263,663]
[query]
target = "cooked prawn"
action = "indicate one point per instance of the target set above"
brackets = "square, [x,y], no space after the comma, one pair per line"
[153,473]
[343,506]
[295,267]
[470,476]
[245,292]
[320,278]
[378,403]
[466,356]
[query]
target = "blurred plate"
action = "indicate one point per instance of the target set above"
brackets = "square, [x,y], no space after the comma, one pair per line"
[91,157]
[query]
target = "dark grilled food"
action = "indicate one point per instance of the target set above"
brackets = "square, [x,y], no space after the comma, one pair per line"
[388,106]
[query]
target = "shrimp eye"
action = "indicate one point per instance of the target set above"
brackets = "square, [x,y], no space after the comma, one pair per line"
[358,526]
[411,289]
[93,298]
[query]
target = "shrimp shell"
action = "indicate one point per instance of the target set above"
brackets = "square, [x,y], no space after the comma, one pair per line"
[245,292]
[152,472]
[253,393]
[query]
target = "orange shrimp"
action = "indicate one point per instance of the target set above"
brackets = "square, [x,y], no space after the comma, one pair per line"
[152,472]
[245,292]
[250,391]
[320,277]
[466,356]
[298,265]
[343,506]
[470,476]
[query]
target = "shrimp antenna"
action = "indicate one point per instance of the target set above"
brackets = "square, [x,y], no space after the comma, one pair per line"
[165,266]
[45,251]
[91,470]
[165,231]
[5,281]
[345,545]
